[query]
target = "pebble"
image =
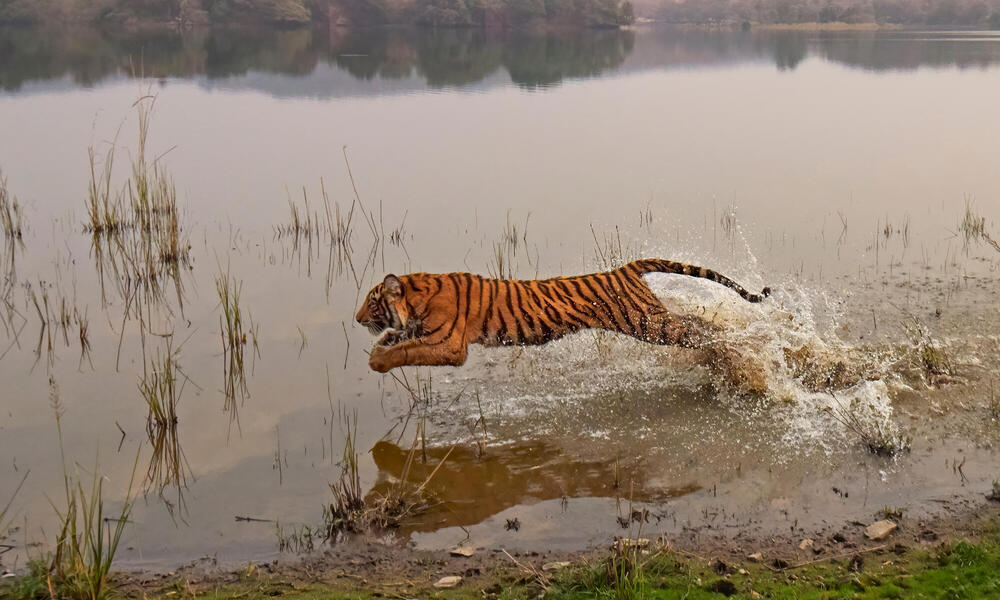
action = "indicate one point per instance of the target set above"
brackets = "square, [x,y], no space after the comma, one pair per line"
[880,530]
[448,582]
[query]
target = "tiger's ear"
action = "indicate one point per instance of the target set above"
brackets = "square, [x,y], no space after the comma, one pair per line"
[392,287]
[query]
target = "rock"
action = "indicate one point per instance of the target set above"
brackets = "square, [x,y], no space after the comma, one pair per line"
[879,530]
[805,544]
[448,582]
[462,551]
[555,566]
[756,557]
[622,544]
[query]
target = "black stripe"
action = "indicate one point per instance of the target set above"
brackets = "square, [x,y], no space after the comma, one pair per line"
[468,301]
[513,315]
[523,313]
[573,313]
[545,311]
[620,300]
[490,293]
[602,320]
[603,302]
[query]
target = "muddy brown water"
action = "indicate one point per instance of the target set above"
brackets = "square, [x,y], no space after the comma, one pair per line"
[836,168]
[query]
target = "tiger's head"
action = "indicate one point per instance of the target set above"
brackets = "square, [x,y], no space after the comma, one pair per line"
[384,307]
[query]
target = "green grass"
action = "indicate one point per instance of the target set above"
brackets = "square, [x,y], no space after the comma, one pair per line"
[964,569]
[957,570]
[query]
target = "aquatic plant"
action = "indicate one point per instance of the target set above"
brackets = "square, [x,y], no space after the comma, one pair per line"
[161,386]
[235,324]
[11,218]
[609,251]
[933,361]
[85,549]
[136,233]
[5,520]
[503,263]
[875,428]
[298,540]
[348,497]
[401,500]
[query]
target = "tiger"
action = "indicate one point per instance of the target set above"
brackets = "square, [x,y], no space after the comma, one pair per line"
[430,319]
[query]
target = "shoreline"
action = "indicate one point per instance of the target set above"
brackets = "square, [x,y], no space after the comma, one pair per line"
[737,566]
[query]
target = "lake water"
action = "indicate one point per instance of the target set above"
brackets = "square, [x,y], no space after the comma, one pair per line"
[854,173]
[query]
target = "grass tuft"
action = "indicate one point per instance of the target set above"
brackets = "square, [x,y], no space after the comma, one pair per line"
[235,325]
[161,388]
[11,218]
[876,430]
[80,567]
[349,513]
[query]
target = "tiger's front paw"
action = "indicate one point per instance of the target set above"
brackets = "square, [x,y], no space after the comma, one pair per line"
[378,360]
[390,337]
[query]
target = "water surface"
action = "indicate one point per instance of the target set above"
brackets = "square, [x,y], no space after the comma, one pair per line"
[836,168]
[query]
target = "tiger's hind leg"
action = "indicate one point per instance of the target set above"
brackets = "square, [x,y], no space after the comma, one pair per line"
[667,329]
[737,368]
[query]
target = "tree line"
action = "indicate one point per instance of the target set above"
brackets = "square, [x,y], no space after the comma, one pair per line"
[445,13]
[934,13]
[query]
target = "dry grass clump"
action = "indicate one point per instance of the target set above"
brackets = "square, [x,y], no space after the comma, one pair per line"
[88,536]
[876,430]
[973,227]
[160,387]
[610,253]
[234,326]
[137,236]
[6,527]
[934,364]
[11,218]
[351,513]
[299,539]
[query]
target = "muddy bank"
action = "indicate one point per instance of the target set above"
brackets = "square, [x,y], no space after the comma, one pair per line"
[377,568]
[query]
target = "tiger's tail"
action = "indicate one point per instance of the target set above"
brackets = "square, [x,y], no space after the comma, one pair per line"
[657,265]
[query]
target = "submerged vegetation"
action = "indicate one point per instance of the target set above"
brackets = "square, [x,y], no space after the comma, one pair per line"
[138,245]
[350,512]
[161,386]
[11,219]
[235,324]
[872,425]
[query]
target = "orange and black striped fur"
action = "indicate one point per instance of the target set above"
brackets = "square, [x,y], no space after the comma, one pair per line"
[428,319]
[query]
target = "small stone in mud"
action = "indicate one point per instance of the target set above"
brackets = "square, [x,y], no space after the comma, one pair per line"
[448,582]
[880,530]
[462,551]
[756,557]
[805,544]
